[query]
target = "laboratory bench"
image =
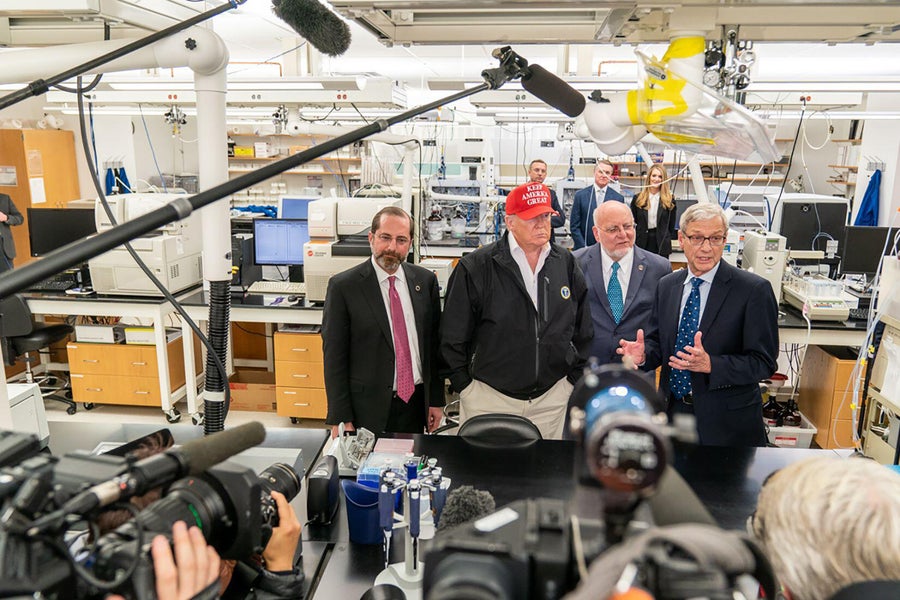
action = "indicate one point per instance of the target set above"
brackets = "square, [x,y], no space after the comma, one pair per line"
[727,481]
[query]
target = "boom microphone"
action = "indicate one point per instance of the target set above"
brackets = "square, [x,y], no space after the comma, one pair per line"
[191,458]
[318,25]
[553,90]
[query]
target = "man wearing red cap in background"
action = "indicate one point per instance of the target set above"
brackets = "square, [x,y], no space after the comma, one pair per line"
[516,327]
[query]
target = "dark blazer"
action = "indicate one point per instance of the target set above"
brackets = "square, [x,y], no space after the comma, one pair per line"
[359,350]
[15,218]
[581,220]
[646,271]
[740,333]
[665,228]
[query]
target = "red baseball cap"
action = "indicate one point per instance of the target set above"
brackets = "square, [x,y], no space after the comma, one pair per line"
[529,201]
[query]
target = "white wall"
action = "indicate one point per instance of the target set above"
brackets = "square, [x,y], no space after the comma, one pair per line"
[881,142]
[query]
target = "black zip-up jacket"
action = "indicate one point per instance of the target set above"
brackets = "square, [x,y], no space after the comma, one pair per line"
[490,330]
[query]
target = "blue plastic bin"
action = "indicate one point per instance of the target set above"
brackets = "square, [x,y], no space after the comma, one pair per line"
[362,513]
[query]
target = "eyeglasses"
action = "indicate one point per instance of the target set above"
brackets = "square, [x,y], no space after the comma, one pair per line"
[605,173]
[387,239]
[628,227]
[714,240]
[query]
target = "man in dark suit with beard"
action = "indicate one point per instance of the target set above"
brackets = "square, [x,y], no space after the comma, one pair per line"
[380,337]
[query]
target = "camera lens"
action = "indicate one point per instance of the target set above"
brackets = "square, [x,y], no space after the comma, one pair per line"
[281,478]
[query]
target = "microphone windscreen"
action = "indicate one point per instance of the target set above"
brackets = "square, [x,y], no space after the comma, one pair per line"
[465,504]
[675,503]
[206,452]
[553,90]
[314,22]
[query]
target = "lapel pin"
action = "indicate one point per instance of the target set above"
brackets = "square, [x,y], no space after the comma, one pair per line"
[418,288]
[640,267]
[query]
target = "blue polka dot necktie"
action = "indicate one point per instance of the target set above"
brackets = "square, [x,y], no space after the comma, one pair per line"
[614,293]
[680,380]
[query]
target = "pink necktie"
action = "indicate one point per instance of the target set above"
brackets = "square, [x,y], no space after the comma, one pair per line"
[405,384]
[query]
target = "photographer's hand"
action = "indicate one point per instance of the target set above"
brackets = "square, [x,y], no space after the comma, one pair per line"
[279,552]
[194,568]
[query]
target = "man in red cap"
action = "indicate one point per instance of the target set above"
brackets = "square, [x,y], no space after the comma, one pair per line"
[516,327]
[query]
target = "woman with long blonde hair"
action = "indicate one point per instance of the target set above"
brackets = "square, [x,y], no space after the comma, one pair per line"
[654,213]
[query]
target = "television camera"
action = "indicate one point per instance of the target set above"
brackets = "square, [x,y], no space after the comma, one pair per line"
[47,499]
[540,548]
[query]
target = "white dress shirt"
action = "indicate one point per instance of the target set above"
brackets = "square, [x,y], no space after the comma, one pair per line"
[408,315]
[704,290]
[528,276]
[652,210]
[625,264]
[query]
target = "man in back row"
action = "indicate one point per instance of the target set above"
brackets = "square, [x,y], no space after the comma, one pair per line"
[516,324]
[714,331]
[581,219]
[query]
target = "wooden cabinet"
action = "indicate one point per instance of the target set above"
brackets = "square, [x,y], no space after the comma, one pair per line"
[299,375]
[826,393]
[37,169]
[121,373]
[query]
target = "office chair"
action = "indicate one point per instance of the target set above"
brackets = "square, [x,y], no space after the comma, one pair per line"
[499,429]
[21,336]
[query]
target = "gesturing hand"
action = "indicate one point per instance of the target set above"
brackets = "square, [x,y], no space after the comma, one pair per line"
[692,358]
[634,351]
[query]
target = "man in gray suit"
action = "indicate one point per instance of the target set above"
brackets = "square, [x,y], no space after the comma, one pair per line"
[9,216]
[621,280]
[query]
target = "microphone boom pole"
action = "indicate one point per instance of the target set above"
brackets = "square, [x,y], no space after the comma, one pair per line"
[40,86]
[75,253]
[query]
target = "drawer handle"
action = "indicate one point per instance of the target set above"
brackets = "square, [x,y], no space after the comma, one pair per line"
[94,389]
[90,360]
[288,393]
[301,403]
[299,349]
[300,375]
[139,364]
[141,392]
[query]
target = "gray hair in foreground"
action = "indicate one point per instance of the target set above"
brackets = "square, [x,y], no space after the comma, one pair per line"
[829,522]
[703,211]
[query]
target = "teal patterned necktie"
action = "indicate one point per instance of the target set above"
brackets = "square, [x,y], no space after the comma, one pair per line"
[614,293]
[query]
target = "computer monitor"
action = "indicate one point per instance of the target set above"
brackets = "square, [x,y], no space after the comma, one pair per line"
[863,248]
[52,228]
[294,207]
[280,241]
[808,222]
[681,205]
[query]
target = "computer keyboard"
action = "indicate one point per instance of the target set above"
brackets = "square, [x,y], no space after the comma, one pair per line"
[54,285]
[291,288]
[860,314]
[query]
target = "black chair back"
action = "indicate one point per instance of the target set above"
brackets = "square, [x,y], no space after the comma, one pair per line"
[15,320]
[499,429]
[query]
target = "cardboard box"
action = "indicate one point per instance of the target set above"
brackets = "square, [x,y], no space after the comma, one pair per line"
[100,334]
[144,335]
[253,390]
[793,437]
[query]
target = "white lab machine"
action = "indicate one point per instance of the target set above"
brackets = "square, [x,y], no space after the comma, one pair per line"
[441,267]
[732,247]
[765,255]
[27,407]
[338,229]
[821,298]
[173,253]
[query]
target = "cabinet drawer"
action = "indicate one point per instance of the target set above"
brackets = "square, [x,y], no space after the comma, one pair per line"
[846,411]
[310,403]
[842,429]
[843,374]
[94,358]
[303,347]
[299,374]
[115,389]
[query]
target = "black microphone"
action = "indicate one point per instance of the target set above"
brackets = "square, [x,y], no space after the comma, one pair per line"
[675,503]
[553,90]
[318,25]
[191,458]
[465,504]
